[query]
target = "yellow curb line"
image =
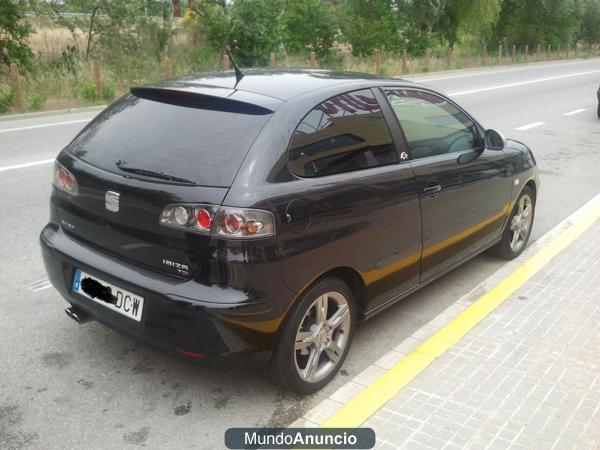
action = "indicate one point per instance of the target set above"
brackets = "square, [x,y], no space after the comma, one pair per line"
[360,408]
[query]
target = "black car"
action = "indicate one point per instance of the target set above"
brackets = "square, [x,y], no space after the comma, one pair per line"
[262,220]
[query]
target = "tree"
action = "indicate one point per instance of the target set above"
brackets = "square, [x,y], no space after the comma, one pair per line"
[590,22]
[254,30]
[536,22]
[210,20]
[370,24]
[309,24]
[154,28]
[453,17]
[249,29]
[14,30]
[115,24]
[97,19]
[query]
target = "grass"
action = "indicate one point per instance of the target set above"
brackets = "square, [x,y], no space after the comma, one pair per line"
[62,77]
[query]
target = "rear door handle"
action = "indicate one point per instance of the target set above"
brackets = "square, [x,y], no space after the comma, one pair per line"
[433,190]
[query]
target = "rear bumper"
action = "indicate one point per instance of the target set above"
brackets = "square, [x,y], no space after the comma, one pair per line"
[222,324]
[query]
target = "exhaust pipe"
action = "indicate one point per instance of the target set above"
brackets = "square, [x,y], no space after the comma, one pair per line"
[78,315]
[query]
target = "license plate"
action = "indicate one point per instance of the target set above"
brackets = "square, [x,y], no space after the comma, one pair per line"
[126,303]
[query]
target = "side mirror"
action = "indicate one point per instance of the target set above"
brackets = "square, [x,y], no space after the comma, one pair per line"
[494,140]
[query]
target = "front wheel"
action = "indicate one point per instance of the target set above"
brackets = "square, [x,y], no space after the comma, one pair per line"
[316,337]
[518,228]
[599,109]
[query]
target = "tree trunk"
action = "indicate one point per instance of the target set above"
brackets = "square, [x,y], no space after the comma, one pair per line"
[449,54]
[176,8]
[90,33]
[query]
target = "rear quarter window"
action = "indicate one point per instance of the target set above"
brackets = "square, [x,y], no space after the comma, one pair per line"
[204,146]
[345,133]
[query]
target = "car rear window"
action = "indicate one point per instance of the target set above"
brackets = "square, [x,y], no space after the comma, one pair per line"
[203,146]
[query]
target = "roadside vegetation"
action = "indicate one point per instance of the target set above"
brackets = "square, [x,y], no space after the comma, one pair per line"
[56,44]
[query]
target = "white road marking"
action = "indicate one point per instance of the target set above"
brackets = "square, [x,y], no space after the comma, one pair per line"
[40,285]
[24,165]
[54,124]
[522,83]
[577,111]
[529,126]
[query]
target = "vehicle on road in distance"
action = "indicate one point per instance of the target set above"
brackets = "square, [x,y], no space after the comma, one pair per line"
[598,95]
[259,220]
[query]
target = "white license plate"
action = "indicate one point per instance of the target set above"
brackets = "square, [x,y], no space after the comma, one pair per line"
[127,303]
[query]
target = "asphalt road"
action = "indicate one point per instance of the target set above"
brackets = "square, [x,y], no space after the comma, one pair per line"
[63,385]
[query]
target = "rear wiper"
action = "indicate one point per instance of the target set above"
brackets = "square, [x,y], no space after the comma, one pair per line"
[151,173]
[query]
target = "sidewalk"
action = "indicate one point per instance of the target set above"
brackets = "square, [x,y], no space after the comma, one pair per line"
[515,363]
[527,376]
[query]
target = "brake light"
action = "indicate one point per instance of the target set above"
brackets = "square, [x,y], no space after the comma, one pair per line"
[224,221]
[231,223]
[204,219]
[64,180]
[240,223]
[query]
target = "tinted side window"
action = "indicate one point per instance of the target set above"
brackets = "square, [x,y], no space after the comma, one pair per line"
[347,132]
[432,125]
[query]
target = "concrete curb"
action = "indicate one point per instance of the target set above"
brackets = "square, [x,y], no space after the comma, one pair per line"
[57,112]
[329,406]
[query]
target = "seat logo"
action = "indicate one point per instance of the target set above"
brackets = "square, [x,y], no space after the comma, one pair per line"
[111,201]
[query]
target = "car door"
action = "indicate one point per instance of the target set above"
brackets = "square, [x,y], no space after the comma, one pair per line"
[355,203]
[464,188]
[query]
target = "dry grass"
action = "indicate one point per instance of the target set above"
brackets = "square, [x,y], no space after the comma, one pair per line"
[49,42]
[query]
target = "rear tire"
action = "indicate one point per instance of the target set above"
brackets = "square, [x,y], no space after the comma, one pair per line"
[518,228]
[315,338]
[599,109]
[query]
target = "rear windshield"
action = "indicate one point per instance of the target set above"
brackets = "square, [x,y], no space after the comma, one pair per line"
[145,138]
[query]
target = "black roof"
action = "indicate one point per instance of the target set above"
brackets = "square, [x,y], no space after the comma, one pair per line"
[279,84]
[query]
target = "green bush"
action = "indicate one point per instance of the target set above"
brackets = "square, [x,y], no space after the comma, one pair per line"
[87,91]
[37,101]
[7,99]
[108,92]
[67,60]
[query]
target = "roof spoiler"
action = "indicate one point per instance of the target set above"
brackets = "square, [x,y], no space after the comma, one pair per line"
[191,99]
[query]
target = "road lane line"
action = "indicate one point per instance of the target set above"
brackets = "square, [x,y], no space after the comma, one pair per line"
[54,124]
[577,111]
[529,126]
[40,285]
[24,165]
[362,406]
[522,83]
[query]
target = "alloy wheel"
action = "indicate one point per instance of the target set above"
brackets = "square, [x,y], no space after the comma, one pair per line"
[520,224]
[322,337]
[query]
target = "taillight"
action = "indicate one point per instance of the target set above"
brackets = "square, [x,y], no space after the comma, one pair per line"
[64,180]
[224,221]
[193,217]
[231,223]
[241,223]
[204,218]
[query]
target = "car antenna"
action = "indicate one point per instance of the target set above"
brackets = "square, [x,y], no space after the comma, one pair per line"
[238,73]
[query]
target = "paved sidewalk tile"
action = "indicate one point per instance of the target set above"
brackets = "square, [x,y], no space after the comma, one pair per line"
[526,377]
